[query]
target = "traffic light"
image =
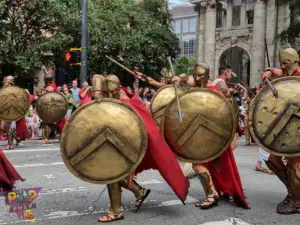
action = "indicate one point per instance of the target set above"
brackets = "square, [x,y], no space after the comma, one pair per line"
[72,57]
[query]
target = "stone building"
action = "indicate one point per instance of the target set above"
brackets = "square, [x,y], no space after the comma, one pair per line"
[234,32]
[185,24]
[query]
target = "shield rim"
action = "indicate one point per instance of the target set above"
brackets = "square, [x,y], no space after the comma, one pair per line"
[28,98]
[154,97]
[234,124]
[69,124]
[66,103]
[251,109]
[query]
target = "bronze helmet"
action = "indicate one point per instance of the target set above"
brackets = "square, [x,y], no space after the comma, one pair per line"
[111,86]
[168,75]
[201,75]
[8,81]
[290,58]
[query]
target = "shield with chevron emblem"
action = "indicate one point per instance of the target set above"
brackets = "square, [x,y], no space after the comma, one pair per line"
[275,121]
[104,141]
[207,129]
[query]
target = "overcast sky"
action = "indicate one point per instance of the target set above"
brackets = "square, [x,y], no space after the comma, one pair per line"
[177,2]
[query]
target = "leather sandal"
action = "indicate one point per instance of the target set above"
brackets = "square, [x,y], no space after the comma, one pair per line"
[110,217]
[212,200]
[140,200]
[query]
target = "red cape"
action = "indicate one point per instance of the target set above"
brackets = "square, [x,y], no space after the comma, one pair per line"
[159,155]
[227,179]
[8,174]
[21,129]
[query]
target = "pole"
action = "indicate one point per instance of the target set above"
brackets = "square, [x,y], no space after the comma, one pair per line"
[84,36]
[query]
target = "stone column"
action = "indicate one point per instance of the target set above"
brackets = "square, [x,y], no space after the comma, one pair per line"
[210,36]
[258,48]
[271,31]
[201,31]
[243,13]
[283,22]
[229,13]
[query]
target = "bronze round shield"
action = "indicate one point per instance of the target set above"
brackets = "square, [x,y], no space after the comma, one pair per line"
[160,100]
[14,103]
[275,122]
[104,141]
[51,107]
[207,128]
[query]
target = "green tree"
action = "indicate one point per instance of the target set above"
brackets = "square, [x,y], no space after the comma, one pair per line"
[292,32]
[23,25]
[147,43]
[185,65]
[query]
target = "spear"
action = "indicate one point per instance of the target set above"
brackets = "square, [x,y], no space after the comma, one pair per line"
[180,114]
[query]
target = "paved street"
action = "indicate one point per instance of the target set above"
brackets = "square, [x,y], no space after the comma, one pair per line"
[65,199]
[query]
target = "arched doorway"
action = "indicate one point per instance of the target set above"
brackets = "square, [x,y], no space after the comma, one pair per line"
[239,61]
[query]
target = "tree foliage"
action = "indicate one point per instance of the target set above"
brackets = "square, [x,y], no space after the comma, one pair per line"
[147,43]
[292,32]
[185,65]
[23,28]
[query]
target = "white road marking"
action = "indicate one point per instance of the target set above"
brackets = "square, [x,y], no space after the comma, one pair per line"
[231,221]
[39,165]
[147,182]
[63,190]
[189,199]
[89,211]
[50,176]
[31,150]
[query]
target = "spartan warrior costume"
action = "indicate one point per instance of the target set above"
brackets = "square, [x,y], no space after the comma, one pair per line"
[136,138]
[51,107]
[215,168]
[9,116]
[277,130]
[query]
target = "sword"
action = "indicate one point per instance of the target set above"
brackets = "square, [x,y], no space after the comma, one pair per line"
[242,83]
[125,68]
[275,92]
[180,114]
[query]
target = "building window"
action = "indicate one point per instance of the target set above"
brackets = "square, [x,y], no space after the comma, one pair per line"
[249,1]
[193,24]
[236,16]
[185,26]
[221,14]
[250,16]
[189,45]
[177,26]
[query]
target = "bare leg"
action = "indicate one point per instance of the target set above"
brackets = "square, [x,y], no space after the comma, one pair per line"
[276,165]
[10,139]
[293,173]
[212,195]
[140,193]
[46,133]
[115,212]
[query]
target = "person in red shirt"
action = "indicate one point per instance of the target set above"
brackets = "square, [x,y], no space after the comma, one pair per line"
[85,93]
